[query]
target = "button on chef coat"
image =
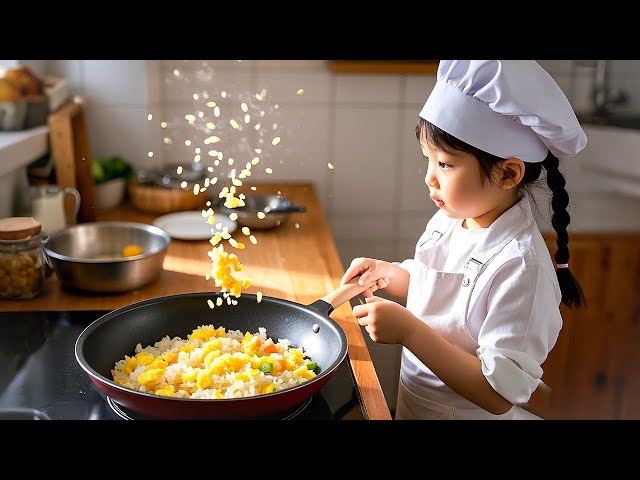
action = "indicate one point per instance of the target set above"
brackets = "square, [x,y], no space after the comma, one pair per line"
[513,316]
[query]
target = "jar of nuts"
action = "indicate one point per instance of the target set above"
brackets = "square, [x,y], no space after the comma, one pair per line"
[23,265]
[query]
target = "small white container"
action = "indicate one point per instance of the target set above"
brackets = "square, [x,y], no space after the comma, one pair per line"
[110,194]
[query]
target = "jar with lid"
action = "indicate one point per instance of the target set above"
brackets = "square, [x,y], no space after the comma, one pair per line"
[23,264]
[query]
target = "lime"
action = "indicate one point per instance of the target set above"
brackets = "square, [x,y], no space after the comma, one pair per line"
[97,172]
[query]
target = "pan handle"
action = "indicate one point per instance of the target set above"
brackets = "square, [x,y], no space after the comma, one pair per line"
[342,294]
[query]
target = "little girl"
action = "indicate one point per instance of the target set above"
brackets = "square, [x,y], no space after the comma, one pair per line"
[482,294]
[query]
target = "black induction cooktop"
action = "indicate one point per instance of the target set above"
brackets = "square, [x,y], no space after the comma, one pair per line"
[40,374]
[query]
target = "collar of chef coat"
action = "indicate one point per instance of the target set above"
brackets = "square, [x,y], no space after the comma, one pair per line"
[518,218]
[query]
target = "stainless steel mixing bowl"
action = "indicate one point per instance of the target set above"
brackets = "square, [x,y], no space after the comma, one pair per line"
[88,256]
[275,208]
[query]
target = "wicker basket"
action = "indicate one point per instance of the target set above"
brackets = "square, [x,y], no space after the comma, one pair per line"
[156,199]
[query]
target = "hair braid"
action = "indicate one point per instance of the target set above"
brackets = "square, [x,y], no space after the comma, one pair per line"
[572,294]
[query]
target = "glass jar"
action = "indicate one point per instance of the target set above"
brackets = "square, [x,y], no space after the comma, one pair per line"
[23,267]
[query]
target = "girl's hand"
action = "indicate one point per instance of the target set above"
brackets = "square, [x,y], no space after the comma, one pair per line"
[385,321]
[370,271]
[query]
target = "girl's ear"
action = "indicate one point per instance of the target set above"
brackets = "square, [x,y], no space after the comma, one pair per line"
[512,171]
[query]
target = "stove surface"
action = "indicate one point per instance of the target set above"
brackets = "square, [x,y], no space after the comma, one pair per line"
[40,372]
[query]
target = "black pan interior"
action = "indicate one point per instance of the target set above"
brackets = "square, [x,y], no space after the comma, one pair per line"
[117,333]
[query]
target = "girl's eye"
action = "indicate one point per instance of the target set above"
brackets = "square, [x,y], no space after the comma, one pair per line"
[444,166]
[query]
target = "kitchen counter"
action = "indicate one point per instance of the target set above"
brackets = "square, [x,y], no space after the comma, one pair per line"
[297,261]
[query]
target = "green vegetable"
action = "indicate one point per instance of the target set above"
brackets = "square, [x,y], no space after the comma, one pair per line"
[266,367]
[104,170]
[97,172]
[312,366]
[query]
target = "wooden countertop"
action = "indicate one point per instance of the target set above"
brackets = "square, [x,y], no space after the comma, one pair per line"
[297,261]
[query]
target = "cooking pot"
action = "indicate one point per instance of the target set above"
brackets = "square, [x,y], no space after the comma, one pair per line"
[116,334]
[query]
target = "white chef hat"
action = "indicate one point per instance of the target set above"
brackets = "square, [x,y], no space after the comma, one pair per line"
[509,108]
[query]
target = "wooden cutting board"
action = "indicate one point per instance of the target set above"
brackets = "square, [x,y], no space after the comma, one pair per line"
[72,156]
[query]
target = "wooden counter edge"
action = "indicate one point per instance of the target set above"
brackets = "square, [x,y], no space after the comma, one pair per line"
[371,393]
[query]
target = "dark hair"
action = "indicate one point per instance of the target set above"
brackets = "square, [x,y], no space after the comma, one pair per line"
[572,295]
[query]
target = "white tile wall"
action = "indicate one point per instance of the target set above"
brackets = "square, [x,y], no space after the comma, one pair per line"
[378,90]
[72,71]
[119,131]
[417,90]
[305,149]
[116,82]
[283,86]
[412,167]
[211,80]
[365,158]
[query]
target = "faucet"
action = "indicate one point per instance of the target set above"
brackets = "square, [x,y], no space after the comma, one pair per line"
[603,97]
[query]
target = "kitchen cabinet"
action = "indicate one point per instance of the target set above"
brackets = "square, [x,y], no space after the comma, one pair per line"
[594,369]
[388,67]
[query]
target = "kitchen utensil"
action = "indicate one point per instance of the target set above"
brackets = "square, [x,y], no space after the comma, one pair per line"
[276,210]
[47,203]
[88,256]
[191,173]
[116,334]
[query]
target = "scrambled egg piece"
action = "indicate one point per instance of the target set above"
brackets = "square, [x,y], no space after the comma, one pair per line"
[225,264]
[132,251]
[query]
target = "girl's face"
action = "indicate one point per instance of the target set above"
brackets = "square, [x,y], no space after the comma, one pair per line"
[457,186]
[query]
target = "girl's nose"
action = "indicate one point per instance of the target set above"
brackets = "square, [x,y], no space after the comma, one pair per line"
[430,179]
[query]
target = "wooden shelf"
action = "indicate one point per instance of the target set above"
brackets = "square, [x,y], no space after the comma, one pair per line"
[422,67]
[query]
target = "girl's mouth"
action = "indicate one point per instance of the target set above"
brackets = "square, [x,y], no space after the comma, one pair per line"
[439,203]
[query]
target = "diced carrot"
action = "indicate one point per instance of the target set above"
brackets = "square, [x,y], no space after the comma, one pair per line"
[269,348]
[283,362]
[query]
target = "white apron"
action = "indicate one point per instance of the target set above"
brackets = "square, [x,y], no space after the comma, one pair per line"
[447,312]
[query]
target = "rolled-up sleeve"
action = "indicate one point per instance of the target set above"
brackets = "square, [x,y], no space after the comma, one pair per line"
[521,327]
[411,265]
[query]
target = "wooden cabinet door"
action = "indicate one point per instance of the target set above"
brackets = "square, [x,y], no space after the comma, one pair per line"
[594,369]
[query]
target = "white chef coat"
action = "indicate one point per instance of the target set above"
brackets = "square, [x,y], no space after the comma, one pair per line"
[499,301]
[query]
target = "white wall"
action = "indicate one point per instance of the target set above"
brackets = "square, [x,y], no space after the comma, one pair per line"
[375,198]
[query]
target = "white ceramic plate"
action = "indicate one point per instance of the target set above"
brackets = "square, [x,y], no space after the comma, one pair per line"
[192,225]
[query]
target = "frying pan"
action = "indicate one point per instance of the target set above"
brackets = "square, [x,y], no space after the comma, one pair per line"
[116,334]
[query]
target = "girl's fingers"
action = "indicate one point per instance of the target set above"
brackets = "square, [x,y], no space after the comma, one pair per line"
[351,273]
